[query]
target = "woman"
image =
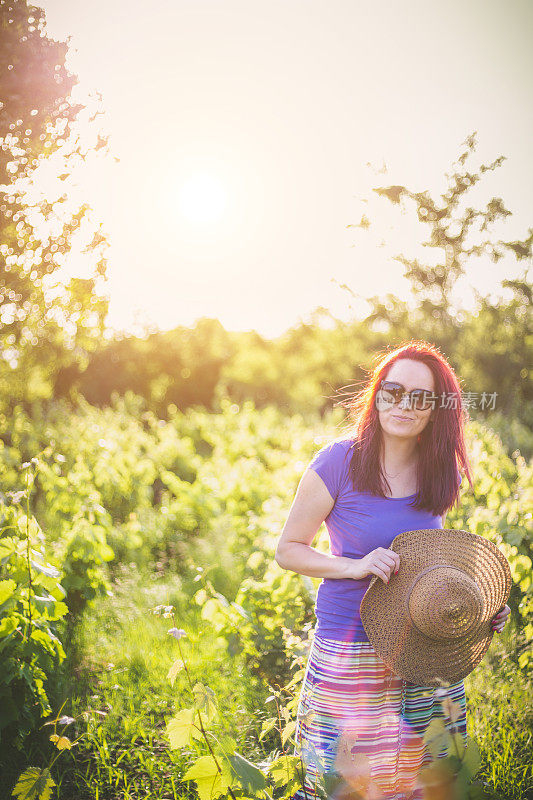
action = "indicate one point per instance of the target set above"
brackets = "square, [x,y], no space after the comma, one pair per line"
[396,471]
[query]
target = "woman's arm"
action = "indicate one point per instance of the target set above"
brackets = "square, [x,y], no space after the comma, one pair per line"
[310,507]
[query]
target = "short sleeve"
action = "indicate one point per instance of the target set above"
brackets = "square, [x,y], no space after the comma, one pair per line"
[328,464]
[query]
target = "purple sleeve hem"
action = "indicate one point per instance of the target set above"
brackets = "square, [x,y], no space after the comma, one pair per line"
[327,463]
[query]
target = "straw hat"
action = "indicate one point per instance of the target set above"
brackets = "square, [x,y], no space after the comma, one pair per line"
[431,622]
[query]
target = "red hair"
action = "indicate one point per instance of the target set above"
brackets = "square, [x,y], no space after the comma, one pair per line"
[441,443]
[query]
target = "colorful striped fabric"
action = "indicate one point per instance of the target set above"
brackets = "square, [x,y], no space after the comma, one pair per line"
[359,719]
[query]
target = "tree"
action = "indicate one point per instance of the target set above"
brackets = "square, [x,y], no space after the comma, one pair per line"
[451,229]
[491,346]
[180,367]
[44,325]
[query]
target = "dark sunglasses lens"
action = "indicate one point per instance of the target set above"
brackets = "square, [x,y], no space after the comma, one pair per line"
[392,390]
[388,394]
[421,400]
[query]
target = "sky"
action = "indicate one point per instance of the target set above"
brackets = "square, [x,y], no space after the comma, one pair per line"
[245,138]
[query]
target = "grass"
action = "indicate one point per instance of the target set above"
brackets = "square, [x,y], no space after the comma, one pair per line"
[500,702]
[116,682]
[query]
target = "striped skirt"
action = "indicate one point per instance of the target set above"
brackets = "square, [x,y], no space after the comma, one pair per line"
[360,720]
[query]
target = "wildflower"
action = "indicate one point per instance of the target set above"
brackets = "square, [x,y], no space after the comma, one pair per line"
[16,497]
[177,633]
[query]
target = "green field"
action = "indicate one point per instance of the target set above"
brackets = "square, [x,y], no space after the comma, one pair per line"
[180,517]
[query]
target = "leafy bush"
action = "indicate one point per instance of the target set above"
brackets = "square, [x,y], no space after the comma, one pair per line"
[500,510]
[31,604]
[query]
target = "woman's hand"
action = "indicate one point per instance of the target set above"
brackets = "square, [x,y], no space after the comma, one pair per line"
[380,562]
[498,622]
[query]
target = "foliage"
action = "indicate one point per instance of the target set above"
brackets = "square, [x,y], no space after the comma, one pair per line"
[251,625]
[312,367]
[41,321]
[52,337]
[118,484]
[500,510]
[31,604]
[224,771]
[200,499]
[494,354]
[500,719]
[180,367]
[35,783]
[490,346]
[302,369]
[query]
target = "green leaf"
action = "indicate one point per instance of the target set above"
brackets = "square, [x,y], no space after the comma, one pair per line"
[454,763]
[476,791]
[176,667]
[249,776]
[268,724]
[34,784]
[210,782]
[180,728]
[48,570]
[333,780]
[515,537]
[227,743]
[288,730]
[461,784]
[8,546]
[296,679]
[51,585]
[7,673]
[456,746]
[283,769]
[472,758]
[22,523]
[7,589]
[46,641]
[240,610]
[7,626]
[523,659]
[204,699]
[436,737]
[223,600]
[211,612]
[49,607]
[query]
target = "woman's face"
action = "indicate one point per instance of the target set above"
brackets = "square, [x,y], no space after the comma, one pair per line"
[399,420]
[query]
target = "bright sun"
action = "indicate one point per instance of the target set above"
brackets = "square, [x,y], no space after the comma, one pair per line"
[202,198]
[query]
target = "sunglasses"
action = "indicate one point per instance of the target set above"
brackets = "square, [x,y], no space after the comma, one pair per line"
[391,393]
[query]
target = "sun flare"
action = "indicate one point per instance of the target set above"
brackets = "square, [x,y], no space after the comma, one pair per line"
[202,198]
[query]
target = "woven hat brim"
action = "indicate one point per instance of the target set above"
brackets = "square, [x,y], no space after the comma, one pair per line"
[409,653]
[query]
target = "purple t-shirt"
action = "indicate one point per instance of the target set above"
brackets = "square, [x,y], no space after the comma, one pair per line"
[358,523]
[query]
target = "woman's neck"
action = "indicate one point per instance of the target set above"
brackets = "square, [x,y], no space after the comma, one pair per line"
[398,455]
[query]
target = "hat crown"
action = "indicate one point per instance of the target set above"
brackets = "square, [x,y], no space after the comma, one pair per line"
[444,602]
[431,622]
